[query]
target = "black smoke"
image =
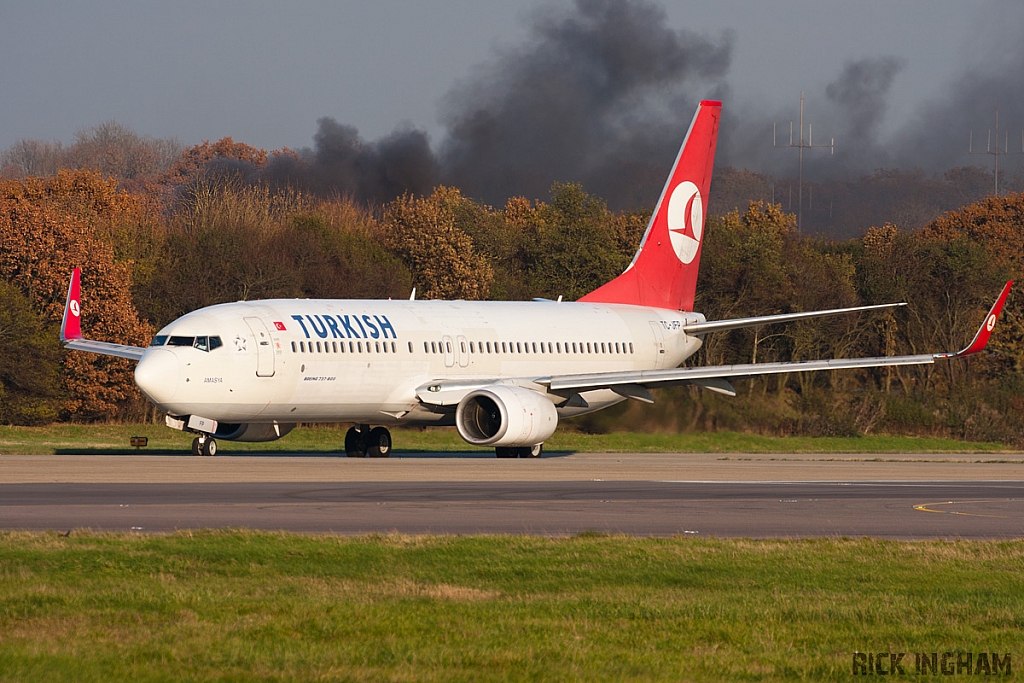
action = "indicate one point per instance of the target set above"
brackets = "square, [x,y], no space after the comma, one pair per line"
[590,97]
[601,91]
[342,163]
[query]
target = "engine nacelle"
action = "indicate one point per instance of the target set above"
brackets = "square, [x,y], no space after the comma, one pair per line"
[252,432]
[503,415]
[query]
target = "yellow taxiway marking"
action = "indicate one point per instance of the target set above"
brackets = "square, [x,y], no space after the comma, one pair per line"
[927,507]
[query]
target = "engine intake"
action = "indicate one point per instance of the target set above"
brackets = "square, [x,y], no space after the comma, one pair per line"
[505,416]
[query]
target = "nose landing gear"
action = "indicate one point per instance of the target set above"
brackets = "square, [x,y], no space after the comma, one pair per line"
[205,445]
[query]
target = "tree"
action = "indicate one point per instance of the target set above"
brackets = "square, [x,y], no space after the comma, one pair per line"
[48,227]
[29,362]
[423,233]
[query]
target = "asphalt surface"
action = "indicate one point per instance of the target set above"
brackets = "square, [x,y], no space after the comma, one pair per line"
[554,496]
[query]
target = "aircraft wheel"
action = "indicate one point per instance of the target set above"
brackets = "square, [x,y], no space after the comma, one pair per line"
[211,447]
[197,447]
[355,443]
[506,452]
[531,451]
[379,443]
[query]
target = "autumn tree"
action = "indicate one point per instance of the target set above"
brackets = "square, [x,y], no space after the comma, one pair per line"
[422,232]
[48,227]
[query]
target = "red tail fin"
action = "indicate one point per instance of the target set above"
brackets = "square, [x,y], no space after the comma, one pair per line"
[71,325]
[663,273]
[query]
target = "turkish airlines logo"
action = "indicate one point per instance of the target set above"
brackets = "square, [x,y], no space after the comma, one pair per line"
[75,310]
[990,323]
[685,220]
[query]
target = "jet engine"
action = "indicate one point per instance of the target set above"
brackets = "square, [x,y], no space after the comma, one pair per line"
[502,415]
[252,432]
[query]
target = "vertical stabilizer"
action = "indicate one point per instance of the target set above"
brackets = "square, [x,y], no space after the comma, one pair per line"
[663,273]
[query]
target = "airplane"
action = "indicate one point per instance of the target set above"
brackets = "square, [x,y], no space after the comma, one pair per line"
[502,372]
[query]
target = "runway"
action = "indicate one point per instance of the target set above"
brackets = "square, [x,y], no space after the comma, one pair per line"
[950,497]
[912,510]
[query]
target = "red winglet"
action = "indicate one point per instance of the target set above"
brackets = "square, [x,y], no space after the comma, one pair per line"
[71,325]
[985,331]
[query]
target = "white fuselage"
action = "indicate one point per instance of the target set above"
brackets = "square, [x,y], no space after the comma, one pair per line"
[303,360]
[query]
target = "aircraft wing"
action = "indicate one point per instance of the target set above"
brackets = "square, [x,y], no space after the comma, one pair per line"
[737,323]
[715,377]
[635,384]
[71,327]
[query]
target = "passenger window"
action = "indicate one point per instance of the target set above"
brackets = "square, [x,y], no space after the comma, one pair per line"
[293,347]
[433,347]
[359,346]
[631,347]
[159,340]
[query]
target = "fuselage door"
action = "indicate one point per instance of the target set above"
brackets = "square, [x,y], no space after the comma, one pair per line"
[462,351]
[264,347]
[659,344]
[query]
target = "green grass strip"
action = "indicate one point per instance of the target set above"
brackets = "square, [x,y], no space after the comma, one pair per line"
[259,606]
[88,439]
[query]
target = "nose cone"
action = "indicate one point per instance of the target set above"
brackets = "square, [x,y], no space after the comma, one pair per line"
[157,375]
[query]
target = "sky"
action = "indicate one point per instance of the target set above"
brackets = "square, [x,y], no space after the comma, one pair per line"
[896,82]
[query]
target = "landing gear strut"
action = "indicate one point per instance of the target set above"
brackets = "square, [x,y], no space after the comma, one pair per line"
[362,442]
[204,444]
[519,451]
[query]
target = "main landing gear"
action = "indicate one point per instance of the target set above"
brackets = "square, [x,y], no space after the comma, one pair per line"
[204,444]
[519,451]
[362,442]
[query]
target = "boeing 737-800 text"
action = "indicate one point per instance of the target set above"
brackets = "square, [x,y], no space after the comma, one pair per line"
[503,373]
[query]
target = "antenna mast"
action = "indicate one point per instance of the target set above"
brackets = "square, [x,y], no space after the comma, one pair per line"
[994,149]
[800,146]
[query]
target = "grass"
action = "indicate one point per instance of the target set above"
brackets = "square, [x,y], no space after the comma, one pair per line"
[72,438]
[224,605]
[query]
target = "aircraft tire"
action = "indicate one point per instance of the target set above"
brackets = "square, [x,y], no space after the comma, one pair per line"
[355,443]
[531,451]
[378,445]
[210,449]
[197,448]
[506,452]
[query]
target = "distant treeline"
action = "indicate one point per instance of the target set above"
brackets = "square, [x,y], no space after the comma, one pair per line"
[210,224]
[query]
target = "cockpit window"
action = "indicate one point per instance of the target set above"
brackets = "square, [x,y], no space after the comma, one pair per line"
[203,343]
